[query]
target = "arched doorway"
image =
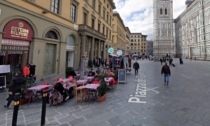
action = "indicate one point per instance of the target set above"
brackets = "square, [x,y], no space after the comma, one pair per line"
[70,49]
[50,53]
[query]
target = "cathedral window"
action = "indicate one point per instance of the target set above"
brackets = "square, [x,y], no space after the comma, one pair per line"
[161,11]
[165,11]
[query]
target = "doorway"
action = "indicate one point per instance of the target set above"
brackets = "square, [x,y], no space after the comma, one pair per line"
[50,59]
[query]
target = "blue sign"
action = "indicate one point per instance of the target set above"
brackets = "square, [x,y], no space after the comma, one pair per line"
[111,50]
[119,52]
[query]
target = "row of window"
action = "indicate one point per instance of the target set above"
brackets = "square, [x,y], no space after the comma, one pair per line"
[138,40]
[143,44]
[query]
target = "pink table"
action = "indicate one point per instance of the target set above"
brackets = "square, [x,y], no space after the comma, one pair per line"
[92,86]
[81,82]
[39,87]
[36,91]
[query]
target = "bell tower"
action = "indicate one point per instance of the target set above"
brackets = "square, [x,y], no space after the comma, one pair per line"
[163,28]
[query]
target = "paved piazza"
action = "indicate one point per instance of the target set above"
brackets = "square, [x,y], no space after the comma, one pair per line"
[143,101]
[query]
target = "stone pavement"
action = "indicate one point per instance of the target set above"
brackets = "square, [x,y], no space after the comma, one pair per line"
[185,102]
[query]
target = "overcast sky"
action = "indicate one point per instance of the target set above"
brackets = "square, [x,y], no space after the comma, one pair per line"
[138,14]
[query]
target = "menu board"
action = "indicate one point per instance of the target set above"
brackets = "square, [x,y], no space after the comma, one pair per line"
[121,75]
[4,68]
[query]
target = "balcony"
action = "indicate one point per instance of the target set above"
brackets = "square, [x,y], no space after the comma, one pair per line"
[84,29]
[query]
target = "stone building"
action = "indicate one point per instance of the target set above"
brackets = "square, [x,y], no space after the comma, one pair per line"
[138,43]
[128,41]
[38,32]
[53,34]
[95,27]
[163,28]
[149,47]
[118,33]
[192,30]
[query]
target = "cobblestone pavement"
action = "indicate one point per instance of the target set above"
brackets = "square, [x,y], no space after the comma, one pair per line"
[185,102]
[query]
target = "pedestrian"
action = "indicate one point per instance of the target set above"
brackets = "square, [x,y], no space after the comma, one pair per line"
[17,82]
[161,61]
[136,67]
[26,70]
[180,60]
[170,62]
[166,71]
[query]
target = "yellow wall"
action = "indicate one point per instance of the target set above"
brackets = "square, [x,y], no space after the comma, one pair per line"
[39,5]
[87,7]
[119,33]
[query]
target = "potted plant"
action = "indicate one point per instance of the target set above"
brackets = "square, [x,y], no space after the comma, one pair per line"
[102,88]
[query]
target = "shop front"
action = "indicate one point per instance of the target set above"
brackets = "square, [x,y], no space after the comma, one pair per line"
[15,45]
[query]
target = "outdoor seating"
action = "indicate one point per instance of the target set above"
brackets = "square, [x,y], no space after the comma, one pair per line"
[90,79]
[37,91]
[82,82]
[79,93]
[86,92]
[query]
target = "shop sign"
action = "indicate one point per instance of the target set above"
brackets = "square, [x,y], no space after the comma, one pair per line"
[18,29]
[11,42]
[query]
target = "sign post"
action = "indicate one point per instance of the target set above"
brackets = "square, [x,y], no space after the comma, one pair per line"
[121,76]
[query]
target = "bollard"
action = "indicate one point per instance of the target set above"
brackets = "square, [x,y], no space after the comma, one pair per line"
[44,101]
[16,107]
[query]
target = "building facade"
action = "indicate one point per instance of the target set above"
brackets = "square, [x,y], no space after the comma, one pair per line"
[38,32]
[118,33]
[128,40]
[192,30]
[54,34]
[163,28]
[149,48]
[138,43]
[95,20]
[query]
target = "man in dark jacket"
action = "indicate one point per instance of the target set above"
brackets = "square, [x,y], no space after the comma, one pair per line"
[17,82]
[136,67]
[166,71]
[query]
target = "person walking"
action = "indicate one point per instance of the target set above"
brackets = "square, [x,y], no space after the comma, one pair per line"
[166,71]
[136,67]
[17,82]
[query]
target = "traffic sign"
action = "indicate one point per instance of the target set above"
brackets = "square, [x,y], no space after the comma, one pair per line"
[111,50]
[119,52]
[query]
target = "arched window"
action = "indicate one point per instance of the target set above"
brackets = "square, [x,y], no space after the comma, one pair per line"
[165,11]
[161,11]
[70,41]
[51,35]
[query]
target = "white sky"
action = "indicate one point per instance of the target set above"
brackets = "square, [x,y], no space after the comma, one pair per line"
[138,14]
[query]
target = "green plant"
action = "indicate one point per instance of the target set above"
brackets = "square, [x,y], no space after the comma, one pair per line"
[103,86]
[68,71]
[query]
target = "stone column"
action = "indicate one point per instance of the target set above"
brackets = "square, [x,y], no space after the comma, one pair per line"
[92,48]
[99,49]
[105,50]
[83,63]
[83,45]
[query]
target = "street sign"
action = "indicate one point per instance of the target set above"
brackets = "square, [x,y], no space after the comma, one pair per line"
[119,52]
[111,50]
